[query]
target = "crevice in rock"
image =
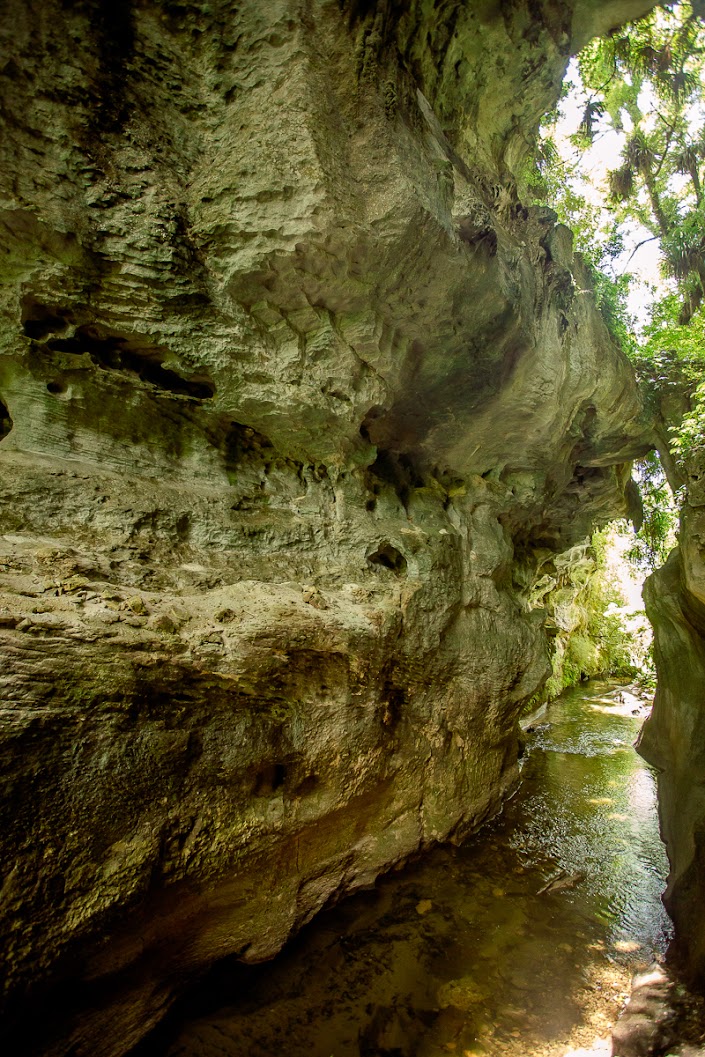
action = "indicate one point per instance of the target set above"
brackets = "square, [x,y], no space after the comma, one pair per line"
[113,352]
[307,785]
[5,421]
[482,237]
[583,475]
[396,469]
[370,418]
[115,41]
[394,697]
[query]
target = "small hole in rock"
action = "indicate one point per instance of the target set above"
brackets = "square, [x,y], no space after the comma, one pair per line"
[5,421]
[39,321]
[56,388]
[371,505]
[183,527]
[388,557]
[269,779]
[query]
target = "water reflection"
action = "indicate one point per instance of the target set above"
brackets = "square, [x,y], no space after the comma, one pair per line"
[521,942]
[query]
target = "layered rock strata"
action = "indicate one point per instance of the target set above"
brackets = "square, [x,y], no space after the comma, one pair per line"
[294,394]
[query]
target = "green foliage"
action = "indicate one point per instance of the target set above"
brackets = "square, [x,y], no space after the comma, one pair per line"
[684,244]
[594,633]
[673,352]
[657,535]
[645,86]
[552,179]
[646,81]
[670,364]
[582,655]
[606,627]
[611,299]
[689,437]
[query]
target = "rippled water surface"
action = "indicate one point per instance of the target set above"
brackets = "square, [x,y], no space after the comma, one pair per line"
[468,951]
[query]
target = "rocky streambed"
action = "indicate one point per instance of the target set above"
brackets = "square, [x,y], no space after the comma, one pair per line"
[522,941]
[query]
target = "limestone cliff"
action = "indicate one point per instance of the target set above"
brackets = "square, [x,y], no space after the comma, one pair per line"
[291,385]
[673,738]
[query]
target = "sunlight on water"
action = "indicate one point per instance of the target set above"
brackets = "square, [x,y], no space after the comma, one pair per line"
[521,942]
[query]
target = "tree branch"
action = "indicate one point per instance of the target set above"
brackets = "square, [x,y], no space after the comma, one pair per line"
[651,238]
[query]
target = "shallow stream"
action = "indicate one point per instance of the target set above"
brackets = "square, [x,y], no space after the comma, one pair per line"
[523,941]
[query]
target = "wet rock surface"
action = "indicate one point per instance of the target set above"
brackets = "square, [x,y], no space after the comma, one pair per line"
[647,1024]
[291,385]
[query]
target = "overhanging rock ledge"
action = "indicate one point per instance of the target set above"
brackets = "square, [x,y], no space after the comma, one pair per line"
[292,386]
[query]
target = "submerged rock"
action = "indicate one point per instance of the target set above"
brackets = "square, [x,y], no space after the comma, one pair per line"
[645,1026]
[563,882]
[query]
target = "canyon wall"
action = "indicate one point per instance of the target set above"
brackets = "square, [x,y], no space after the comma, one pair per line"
[673,739]
[295,398]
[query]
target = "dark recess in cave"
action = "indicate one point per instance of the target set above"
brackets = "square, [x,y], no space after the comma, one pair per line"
[397,470]
[5,421]
[113,26]
[242,446]
[40,321]
[388,557]
[393,696]
[108,351]
[112,352]
[243,442]
[582,475]
[479,237]
[269,779]
[307,785]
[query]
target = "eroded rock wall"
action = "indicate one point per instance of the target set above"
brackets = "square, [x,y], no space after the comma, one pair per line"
[673,739]
[291,385]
